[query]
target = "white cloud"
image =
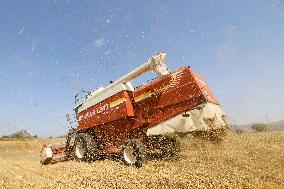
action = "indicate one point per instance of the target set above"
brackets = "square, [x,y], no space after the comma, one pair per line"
[98,42]
[230,31]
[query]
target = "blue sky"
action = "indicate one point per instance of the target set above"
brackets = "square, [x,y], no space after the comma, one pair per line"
[49,50]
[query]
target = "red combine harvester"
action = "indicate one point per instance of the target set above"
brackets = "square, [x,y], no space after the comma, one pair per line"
[120,119]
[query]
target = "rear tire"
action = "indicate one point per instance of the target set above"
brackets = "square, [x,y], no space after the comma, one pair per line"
[170,147]
[133,153]
[85,147]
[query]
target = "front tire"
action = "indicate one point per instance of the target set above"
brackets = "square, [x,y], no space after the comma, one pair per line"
[133,153]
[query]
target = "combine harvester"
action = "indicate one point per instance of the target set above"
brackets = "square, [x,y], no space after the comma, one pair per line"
[121,119]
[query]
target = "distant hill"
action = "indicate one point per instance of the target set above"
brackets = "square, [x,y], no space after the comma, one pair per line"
[246,127]
[277,126]
[273,126]
[22,134]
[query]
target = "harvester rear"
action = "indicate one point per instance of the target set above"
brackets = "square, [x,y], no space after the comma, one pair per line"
[121,119]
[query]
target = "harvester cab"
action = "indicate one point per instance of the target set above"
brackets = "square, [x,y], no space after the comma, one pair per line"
[119,119]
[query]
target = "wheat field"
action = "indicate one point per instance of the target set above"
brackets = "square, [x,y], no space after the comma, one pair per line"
[250,160]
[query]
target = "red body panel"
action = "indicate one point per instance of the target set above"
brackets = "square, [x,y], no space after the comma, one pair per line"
[105,112]
[172,95]
[204,88]
[147,106]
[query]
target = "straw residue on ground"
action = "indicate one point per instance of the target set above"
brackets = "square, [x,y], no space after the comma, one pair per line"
[251,160]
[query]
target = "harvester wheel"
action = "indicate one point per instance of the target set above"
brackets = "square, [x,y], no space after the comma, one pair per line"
[92,153]
[170,147]
[85,147]
[133,153]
